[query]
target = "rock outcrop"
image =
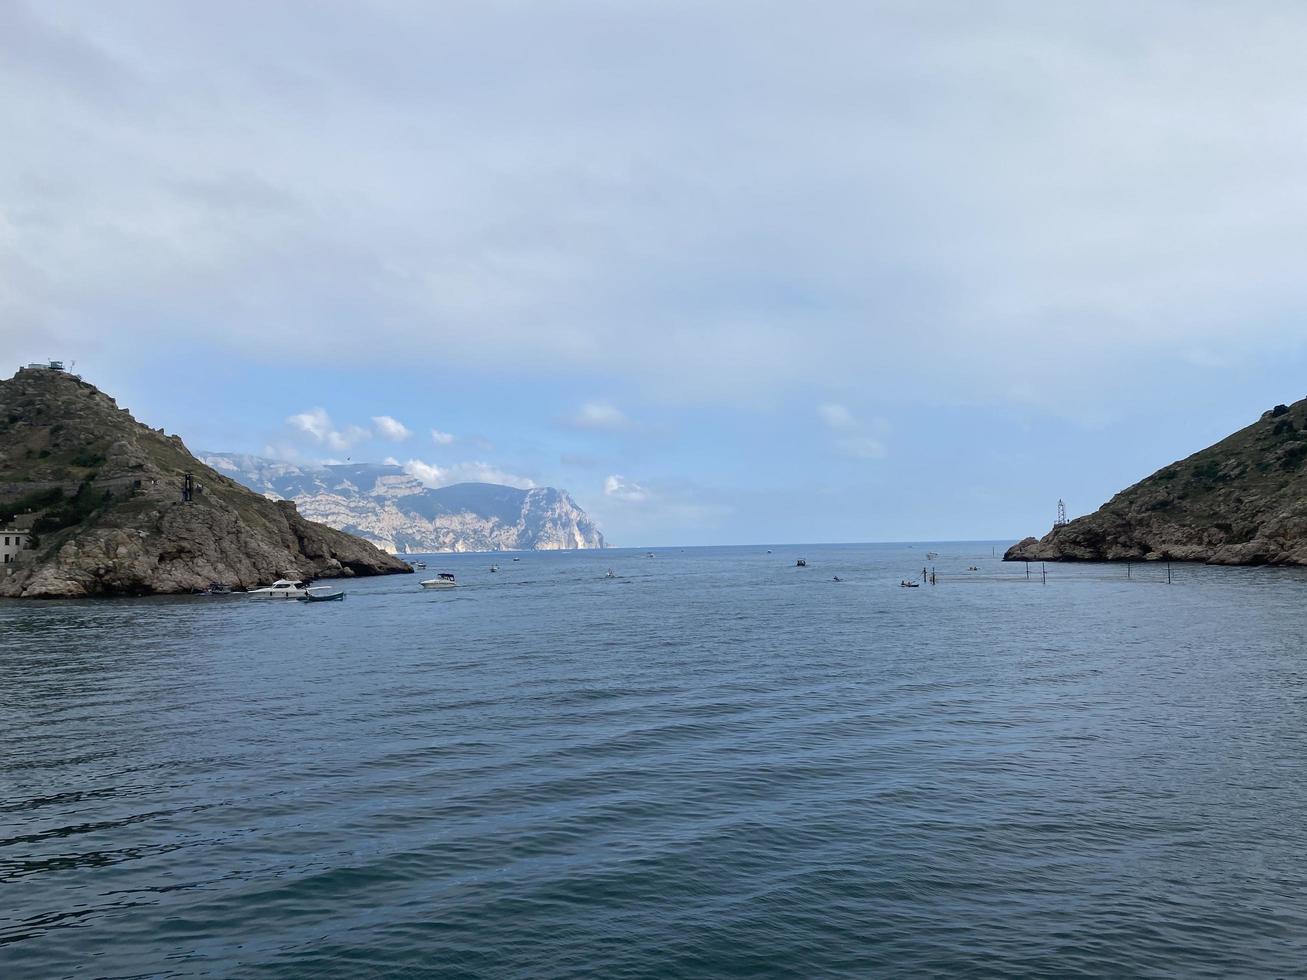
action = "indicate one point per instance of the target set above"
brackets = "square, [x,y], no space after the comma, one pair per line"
[103,496]
[1242,501]
[396,511]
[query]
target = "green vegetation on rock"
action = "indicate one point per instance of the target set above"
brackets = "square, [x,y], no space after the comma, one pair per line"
[1242,501]
[103,495]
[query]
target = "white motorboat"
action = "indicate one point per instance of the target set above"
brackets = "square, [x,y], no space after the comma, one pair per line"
[445,580]
[283,588]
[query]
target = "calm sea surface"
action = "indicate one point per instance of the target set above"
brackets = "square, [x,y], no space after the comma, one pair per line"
[715,764]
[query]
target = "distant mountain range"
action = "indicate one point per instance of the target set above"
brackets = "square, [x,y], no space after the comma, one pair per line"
[396,511]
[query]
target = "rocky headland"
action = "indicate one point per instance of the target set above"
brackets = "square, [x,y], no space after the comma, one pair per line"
[1242,501]
[103,496]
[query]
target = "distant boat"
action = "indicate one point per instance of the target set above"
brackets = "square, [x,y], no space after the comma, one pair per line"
[419,564]
[932,555]
[611,574]
[314,596]
[517,559]
[909,585]
[445,580]
[649,555]
[801,563]
[214,588]
[494,568]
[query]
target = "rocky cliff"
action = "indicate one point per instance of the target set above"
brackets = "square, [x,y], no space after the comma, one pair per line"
[1242,501]
[396,511]
[103,496]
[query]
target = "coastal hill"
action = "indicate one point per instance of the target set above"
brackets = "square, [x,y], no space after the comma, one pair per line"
[396,511]
[103,496]
[1242,501]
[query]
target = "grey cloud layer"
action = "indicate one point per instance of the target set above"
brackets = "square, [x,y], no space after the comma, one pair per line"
[710,200]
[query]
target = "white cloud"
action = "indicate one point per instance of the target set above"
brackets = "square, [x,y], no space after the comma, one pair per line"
[619,487]
[599,416]
[861,447]
[317,425]
[389,428]
[442,476]
[441,438]
[853,437]
[836,416]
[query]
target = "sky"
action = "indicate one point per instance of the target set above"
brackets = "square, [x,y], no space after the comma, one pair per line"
[727,271]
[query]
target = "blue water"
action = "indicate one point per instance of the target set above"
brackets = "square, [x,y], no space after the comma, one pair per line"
[716,764]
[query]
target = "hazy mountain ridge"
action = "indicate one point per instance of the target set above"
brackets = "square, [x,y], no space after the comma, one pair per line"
[396,511]
[1242,501]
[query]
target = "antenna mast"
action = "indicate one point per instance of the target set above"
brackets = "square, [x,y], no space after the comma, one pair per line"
[1061,514]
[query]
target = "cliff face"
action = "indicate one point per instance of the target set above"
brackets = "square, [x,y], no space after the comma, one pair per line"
[396,511]
[1242,501]
[103,495]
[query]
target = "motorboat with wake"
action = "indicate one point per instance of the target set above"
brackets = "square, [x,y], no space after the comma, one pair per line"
[445,580]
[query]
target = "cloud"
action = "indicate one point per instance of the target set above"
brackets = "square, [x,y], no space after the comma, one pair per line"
[600,417]
[441,438]
[644,504]
[853,437]
[951,194]
[861,447]
[621,488]
[317,425]
[389,428]
[836,416]
[442,476]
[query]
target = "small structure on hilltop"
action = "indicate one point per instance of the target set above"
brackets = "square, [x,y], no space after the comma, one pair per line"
[12,541]
[47,366]
[1061,514]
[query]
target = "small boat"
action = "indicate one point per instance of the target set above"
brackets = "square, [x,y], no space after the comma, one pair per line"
[905,584]
[837,579]
[801,563]
[445,580]
[931,555]
[517,559]
[321,596]
[494,568]
[419,564]
[611,574]
[649,555]
[214,588]
[283,588]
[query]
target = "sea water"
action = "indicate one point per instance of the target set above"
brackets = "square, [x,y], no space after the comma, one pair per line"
[712,764]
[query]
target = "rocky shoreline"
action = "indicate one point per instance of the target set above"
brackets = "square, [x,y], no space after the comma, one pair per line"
[1242,501]
[105,500]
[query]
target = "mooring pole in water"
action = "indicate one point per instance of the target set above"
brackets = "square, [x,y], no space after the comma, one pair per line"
[1027,571]
[1043,570]
[1127,569]
[1168,573]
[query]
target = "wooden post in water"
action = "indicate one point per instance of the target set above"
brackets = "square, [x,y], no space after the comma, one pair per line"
[1127,569]
[1043,570]
[1168,573]
[1027,571]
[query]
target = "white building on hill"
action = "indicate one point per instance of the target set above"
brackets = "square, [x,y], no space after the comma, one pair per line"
[11,543]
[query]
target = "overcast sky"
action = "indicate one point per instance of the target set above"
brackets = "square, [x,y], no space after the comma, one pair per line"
[727,271]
